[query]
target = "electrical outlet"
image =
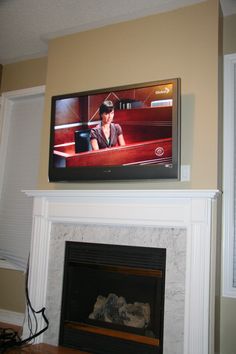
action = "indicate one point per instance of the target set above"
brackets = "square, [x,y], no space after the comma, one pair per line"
[185,173]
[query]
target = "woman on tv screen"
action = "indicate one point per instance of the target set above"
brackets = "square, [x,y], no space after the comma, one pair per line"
[106,134]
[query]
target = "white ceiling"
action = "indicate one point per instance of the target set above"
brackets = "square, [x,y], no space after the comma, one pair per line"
[27,25]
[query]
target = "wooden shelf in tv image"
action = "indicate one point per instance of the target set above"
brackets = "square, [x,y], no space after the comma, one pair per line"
[148,136]
[149,152]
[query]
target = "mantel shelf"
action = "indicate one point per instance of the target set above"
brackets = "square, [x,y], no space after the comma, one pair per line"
[166,193]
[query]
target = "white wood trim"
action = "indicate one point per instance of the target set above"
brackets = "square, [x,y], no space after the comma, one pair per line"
[125,194]
[31,91]
[228,183]
[6,264]
[193,210]
[11,317]
[7,100]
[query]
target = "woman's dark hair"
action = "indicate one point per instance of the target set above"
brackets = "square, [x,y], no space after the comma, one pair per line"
[106,107]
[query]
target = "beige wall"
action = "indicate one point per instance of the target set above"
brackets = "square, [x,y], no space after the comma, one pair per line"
[12,290]
[163,46]
[228,325]
[156,47]
[24,74]
[18,76]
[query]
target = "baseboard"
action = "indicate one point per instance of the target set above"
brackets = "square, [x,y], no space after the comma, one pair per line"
[9,262]
[11,317]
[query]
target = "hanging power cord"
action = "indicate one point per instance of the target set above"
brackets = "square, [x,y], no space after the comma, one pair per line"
[9,337]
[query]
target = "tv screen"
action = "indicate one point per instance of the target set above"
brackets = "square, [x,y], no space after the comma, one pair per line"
[128,132]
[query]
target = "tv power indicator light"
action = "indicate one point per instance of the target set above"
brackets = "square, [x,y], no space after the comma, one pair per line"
[107,171]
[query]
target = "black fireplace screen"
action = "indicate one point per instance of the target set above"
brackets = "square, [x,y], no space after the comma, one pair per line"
[113,298]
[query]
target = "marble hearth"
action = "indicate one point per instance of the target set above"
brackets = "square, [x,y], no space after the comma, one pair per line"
[183,222]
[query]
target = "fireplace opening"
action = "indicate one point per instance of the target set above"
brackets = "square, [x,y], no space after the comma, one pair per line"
[113,298]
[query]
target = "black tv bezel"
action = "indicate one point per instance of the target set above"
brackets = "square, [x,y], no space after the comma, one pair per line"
[117,173]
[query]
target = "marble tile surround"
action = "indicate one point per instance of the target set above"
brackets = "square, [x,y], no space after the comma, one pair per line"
[173,239]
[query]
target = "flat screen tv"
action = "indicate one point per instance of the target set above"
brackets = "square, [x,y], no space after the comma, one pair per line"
[118,133]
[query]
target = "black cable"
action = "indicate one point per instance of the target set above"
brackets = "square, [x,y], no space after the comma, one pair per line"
[9,338]
[30,307]
[34,312]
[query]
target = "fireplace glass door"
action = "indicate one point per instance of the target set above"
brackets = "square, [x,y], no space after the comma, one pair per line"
[113,298]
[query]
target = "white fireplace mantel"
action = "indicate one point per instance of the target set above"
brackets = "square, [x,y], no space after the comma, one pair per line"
[194,210]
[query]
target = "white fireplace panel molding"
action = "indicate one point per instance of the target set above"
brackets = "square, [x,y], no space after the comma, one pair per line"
[192,210]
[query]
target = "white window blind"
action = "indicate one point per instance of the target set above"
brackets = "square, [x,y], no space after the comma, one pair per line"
[20,172]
